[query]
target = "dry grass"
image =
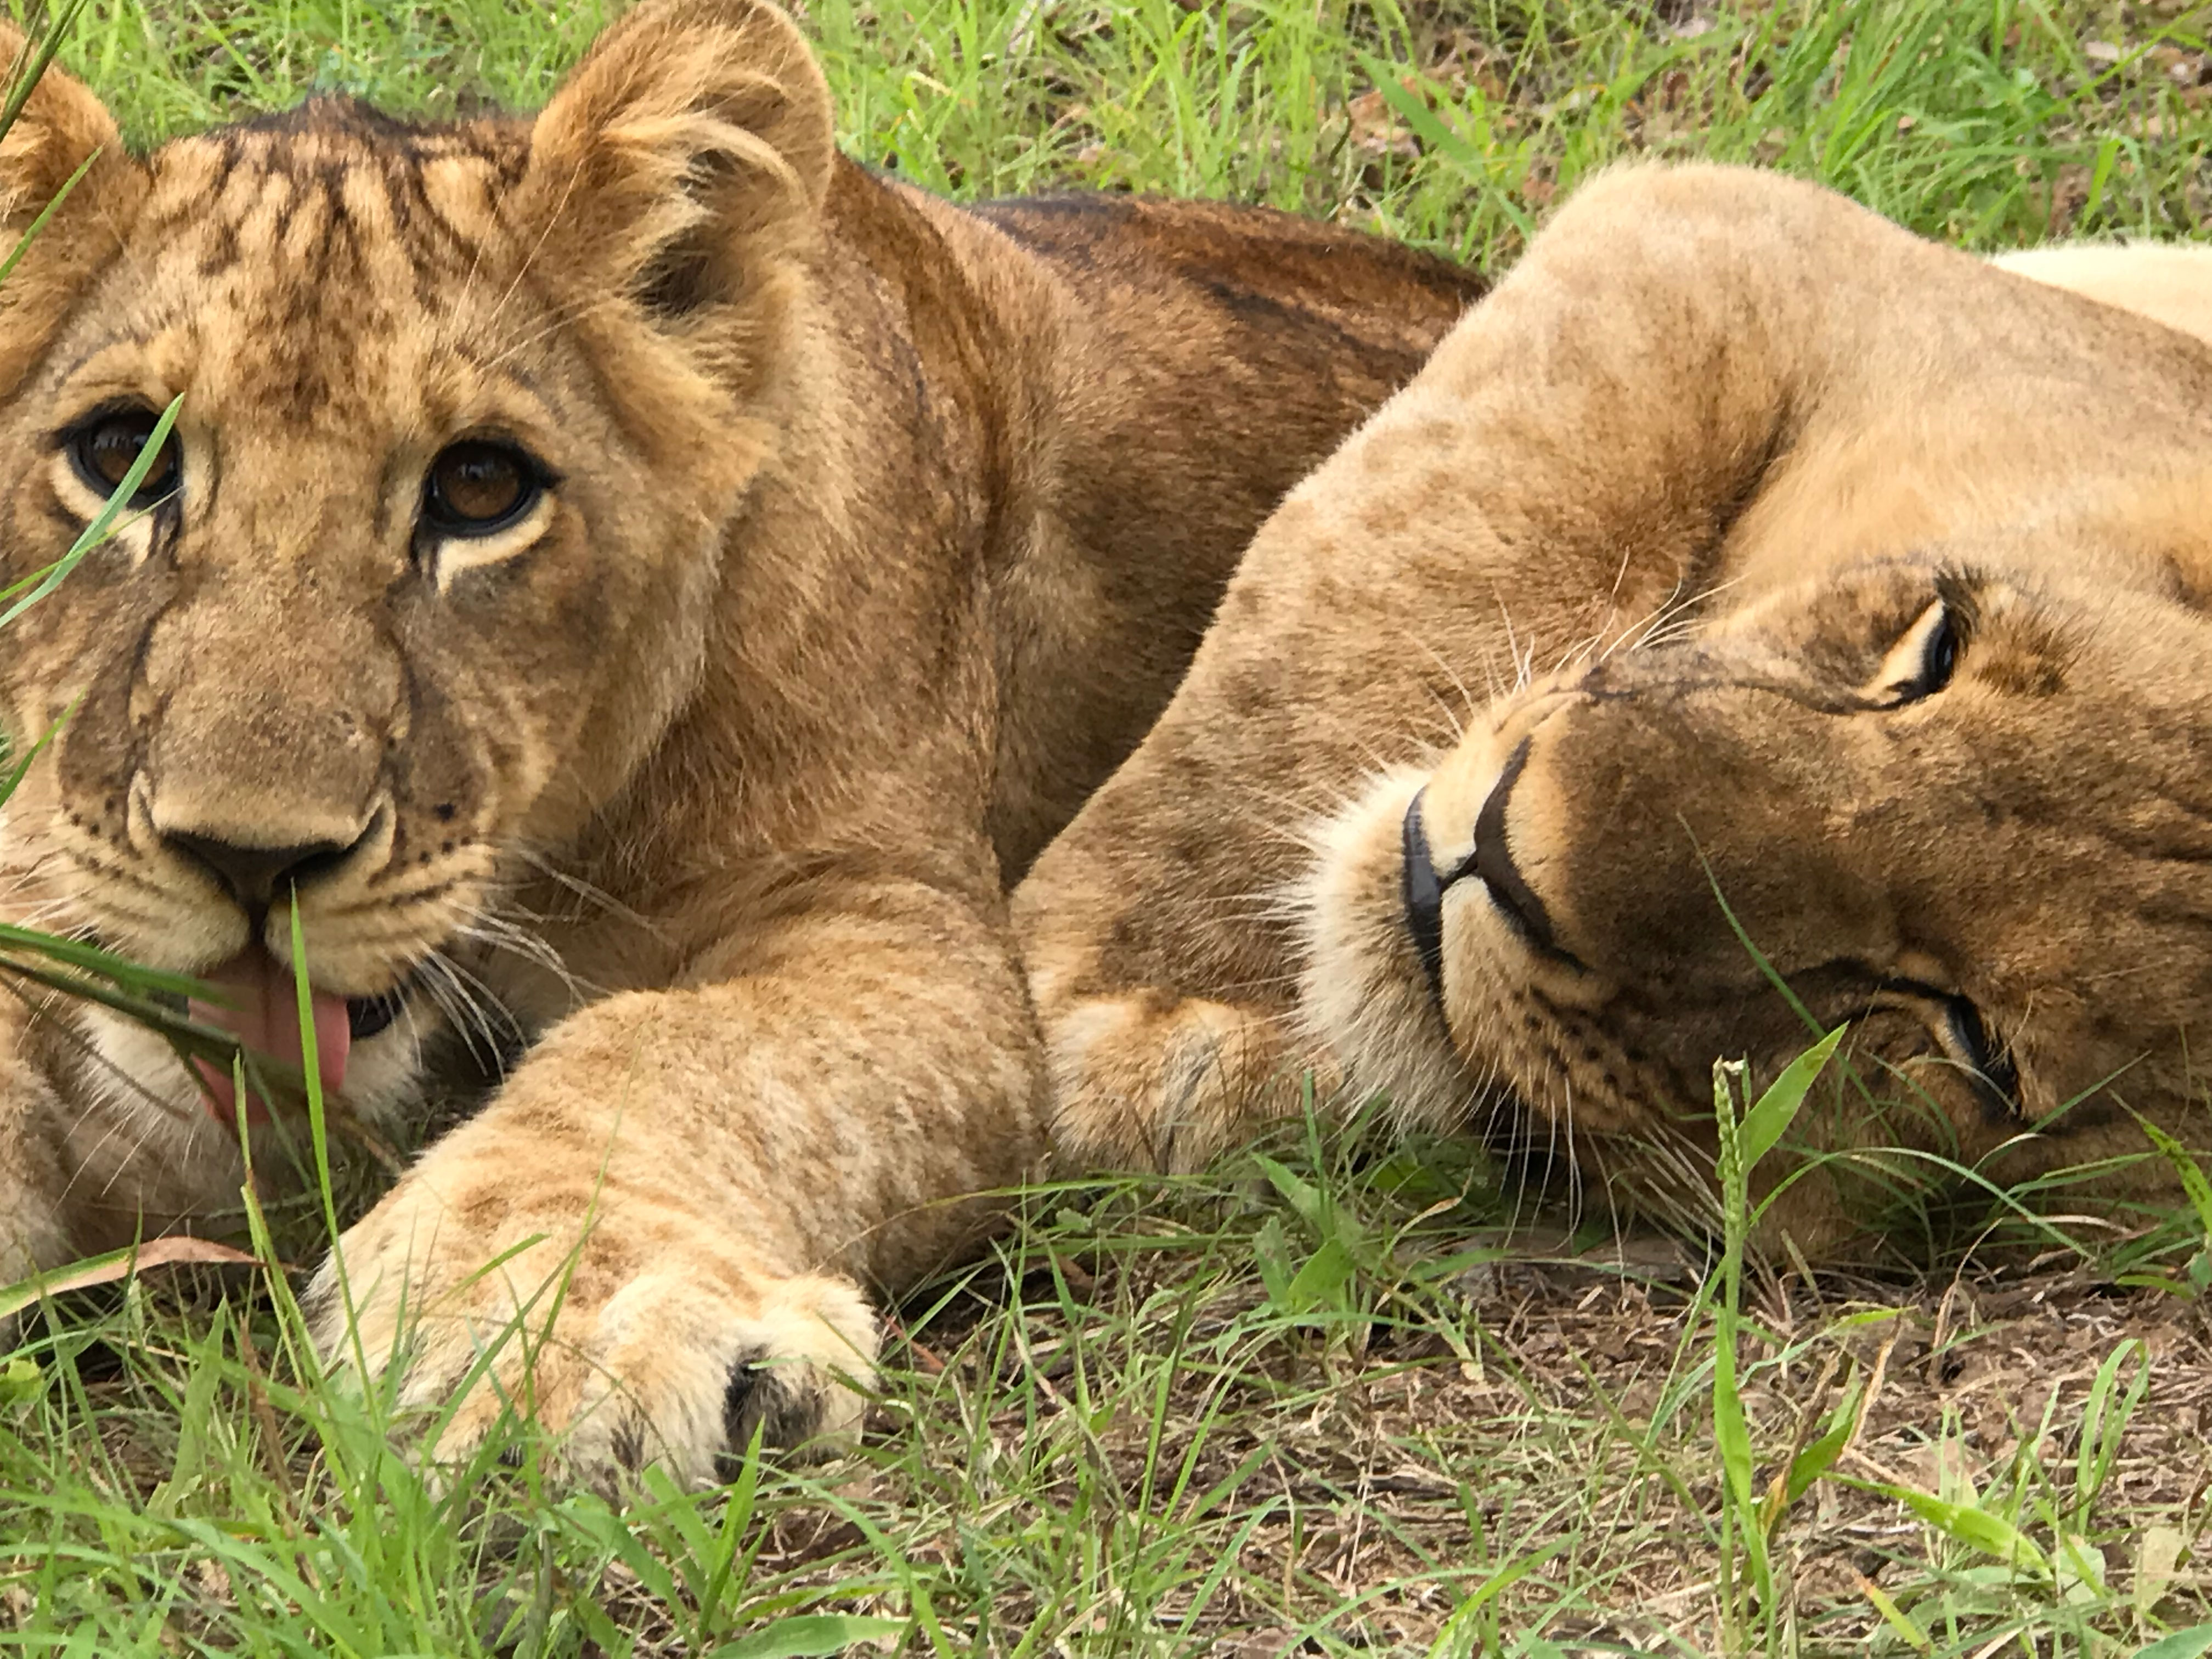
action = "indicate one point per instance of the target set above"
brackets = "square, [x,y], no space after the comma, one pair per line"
[1115,1437]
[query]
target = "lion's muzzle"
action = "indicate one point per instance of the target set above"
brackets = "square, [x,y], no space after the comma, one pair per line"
[1490,860]
[1425,895]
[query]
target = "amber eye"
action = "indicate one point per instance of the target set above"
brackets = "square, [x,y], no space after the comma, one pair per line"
[104,448]
[476,486]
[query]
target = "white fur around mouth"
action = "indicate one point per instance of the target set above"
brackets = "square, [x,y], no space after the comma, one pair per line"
[1422,888]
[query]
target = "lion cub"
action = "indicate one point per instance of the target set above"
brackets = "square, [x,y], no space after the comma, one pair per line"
[1744,572]
[641,586]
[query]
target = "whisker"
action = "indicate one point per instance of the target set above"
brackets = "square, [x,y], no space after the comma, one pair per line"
[596,896]
[474,1009]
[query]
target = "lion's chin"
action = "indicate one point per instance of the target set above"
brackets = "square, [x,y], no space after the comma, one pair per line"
[373,1078]
[150,1155]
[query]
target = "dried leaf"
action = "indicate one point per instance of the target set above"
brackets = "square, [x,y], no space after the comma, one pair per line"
[120,1264]
[2158,1562]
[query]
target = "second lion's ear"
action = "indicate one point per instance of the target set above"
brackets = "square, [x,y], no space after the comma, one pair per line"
[688,151]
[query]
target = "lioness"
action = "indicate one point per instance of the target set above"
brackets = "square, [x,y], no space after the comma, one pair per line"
[1741,549]
[633,576]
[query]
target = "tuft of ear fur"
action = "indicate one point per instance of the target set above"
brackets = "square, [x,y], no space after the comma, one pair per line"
[60,128]
[692,143]
[682,167]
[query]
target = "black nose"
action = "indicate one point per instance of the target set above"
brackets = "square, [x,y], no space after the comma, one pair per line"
[1494,864]
[1424,884]
[256,875]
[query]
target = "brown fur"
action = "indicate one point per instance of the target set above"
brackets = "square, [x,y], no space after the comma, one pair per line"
[1674,508]
[882,529]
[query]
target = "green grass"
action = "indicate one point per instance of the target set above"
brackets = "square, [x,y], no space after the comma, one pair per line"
[1456,126]
[1317,1401]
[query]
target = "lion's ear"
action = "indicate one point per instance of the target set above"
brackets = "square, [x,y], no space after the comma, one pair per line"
[61,130]
[690,148]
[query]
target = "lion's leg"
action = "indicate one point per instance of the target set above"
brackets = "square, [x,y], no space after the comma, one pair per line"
[653,1238]
[33,1235]
[2168,283]
[34,1229]
[1567,465]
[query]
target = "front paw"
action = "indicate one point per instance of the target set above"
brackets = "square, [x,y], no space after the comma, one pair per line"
[1145,1078]
[484,1284]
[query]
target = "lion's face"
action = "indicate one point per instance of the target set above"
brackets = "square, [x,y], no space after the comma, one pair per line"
[1961,804]
[427,565]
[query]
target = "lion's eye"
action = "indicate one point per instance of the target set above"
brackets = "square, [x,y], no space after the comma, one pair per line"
[476,486]
[1996,1079]
[1967,1038]
[1922,663]
[104,448]
[1939,656]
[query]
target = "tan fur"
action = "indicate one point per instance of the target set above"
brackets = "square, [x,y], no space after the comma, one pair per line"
[1669,516]
[882,528]
[2169,283]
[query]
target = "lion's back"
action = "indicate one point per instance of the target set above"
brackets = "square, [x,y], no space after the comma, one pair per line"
[1165,373]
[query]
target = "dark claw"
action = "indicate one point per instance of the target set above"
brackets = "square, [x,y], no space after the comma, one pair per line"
[762,1398]
[628,1445]
[741,1404]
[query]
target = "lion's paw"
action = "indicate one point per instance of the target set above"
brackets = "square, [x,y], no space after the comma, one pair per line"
[635,1336]
[1150,1079]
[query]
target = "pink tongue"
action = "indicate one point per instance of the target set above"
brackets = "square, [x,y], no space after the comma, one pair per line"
[263,1012]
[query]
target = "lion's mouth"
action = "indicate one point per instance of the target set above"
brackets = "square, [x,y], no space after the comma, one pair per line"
[367,1015]
[1423,895]
[260,1007]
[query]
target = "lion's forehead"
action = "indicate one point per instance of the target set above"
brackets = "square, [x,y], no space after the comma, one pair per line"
[296,266]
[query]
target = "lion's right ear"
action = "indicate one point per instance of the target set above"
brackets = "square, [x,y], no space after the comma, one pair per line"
[687,155]
[60,127]
[60,130]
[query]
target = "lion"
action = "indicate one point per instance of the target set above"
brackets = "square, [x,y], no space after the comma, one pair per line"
[1754,620]
[635,588]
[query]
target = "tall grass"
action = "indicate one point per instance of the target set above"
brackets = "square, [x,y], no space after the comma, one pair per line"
[1456,125]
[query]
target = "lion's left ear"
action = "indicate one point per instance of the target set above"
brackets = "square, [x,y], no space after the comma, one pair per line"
[685,155]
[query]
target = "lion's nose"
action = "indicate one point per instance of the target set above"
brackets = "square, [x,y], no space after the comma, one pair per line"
[255,876]
[1493,859]
[1489,859]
